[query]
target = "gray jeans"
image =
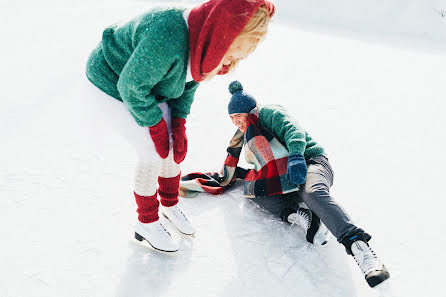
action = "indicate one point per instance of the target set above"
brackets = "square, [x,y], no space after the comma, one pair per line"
[315,193]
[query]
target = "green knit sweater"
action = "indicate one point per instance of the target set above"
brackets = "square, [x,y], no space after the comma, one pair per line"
[143,63]
[287,130]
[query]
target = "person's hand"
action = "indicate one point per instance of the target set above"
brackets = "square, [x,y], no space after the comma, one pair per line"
[179,139]
[296,169]
[160,138]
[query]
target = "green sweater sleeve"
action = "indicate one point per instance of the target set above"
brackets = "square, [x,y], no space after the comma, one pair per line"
[284,127]
[181,106]
[151,61]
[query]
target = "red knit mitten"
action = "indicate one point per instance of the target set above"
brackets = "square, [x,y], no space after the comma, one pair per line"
[160,138]
[168,190]
[179,139]
[147,208]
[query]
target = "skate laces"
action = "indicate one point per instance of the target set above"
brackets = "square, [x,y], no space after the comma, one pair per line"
[179,214]
[365,257]
[162,230]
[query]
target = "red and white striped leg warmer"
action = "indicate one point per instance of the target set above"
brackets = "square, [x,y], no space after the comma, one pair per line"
[168,190]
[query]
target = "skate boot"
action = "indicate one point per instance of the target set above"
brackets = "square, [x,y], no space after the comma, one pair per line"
[316,231]
[373,269]
[156,235]
[178,218]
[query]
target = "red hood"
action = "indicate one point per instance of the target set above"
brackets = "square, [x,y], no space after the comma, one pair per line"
[213,26]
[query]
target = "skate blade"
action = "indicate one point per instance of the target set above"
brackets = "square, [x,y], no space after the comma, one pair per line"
[377,277]
[140,238]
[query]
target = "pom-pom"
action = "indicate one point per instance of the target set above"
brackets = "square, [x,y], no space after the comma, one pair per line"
[235,86]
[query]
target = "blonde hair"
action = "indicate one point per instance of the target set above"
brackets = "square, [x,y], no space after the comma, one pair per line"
[255,31]
[257,26]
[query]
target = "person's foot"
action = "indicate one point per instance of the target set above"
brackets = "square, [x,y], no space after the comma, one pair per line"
[178,218]
[156,235]
[316,231]
[373,269]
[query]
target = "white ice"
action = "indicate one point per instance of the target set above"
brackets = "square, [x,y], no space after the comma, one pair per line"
[365,79]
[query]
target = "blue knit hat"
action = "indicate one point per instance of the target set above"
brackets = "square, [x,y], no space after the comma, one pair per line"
[240,101]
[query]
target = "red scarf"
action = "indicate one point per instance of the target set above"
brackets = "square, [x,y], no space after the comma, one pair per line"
[213,26]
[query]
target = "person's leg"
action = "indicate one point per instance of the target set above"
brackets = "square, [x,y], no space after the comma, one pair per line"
[113,115]
[148,165]
[148,171]
[289,210]
[169,182]
[316,195]
[277,204]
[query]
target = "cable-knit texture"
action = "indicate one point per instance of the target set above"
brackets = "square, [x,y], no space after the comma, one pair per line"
[147,208]
[169,168]
[168,190]
[145,178]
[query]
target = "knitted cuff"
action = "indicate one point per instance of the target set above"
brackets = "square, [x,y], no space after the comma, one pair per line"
[168,190]
[147,208]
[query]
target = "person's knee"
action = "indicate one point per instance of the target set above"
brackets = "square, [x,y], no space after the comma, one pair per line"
[312,191]
[169,168]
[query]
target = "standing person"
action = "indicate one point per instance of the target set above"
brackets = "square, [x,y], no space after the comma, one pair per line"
[290,167]
[152,65]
